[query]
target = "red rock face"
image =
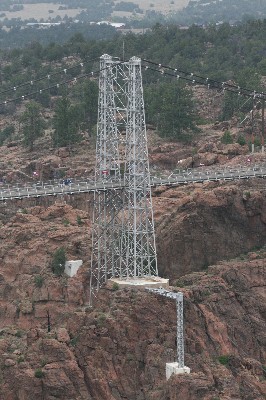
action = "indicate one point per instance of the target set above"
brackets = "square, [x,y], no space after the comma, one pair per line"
[203,224]
[118,349]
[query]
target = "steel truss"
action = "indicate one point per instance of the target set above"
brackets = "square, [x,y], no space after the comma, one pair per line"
[178,297]
[123,240]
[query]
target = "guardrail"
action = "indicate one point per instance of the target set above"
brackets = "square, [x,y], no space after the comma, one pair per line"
[85,185]
[204,175]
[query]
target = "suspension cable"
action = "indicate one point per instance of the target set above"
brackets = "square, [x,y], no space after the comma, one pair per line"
[198,79]
[48,76]
[57,85]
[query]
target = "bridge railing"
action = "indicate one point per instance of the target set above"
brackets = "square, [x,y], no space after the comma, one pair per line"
[52,188]
[81,185]
[211,174]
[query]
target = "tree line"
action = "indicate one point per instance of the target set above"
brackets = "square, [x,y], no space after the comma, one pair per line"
[223,53]
[72,116]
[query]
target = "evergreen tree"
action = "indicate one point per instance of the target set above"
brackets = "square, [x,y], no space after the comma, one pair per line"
[32,124]
[91,103]
[85,95]
[58,261]
[66,122]
[170,108]
[229,106]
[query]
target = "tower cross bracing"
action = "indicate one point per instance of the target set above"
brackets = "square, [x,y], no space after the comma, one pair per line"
[123,240]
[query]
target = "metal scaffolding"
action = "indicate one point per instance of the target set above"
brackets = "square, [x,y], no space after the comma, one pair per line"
[138,240]
[123,240]
[178,297]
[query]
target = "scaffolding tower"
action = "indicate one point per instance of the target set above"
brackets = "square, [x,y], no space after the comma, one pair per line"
[123,240]
[177,367]
[178,297]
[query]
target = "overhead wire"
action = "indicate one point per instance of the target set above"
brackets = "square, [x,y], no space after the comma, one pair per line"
[162,69]
[198,79]
[56,85]
[47,76]
[256,97]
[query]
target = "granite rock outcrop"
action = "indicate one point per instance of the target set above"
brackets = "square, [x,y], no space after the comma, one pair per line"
[118,349]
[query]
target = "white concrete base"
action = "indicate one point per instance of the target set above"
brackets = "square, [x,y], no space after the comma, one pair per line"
[139,283]
[72,267]
[173,368]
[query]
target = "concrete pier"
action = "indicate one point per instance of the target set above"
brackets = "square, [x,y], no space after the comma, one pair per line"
[174,369]
[139,283]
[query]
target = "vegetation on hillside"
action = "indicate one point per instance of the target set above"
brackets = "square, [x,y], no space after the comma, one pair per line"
[37,73]
[58,261]
[203,12]
[170,108]
[32,124]
[197,12]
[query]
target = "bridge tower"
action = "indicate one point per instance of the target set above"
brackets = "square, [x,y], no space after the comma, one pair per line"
[123,240]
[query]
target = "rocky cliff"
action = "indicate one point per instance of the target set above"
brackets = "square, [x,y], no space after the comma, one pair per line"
[204,223]
[118,349]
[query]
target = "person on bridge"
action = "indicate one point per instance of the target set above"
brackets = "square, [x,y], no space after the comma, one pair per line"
[67,181]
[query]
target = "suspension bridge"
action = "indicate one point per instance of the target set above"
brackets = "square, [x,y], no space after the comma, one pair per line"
[85,185]
[123,234]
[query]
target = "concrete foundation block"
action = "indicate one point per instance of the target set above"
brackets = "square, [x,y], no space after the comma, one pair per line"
[173,368]
[72,267]
[139,283]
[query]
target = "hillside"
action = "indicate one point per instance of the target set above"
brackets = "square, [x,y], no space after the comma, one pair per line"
[204,12]
[210,236]
[210,243]
[132,13]
[119,348]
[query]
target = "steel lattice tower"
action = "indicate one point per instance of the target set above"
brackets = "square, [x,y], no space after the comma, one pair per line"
[138,240]
[123,240]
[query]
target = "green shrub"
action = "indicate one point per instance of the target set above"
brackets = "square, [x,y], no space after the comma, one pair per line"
[61,173]
[66,222]
[58,261]
[19,334]
[227,138]
[257,141]
[224,359]
[101,319]
[241,140]
[73,342]
[115,286]
[38,280]
[202,121]
[38,373]
[6,133]
[20,359]
[43,362]
[79,220]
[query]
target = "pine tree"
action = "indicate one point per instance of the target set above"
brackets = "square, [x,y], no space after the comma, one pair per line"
[66,122]
[91,103]
[170,108]
[32,124]
[58,261]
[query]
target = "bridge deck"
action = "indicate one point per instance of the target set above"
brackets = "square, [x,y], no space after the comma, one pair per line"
[181,177]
